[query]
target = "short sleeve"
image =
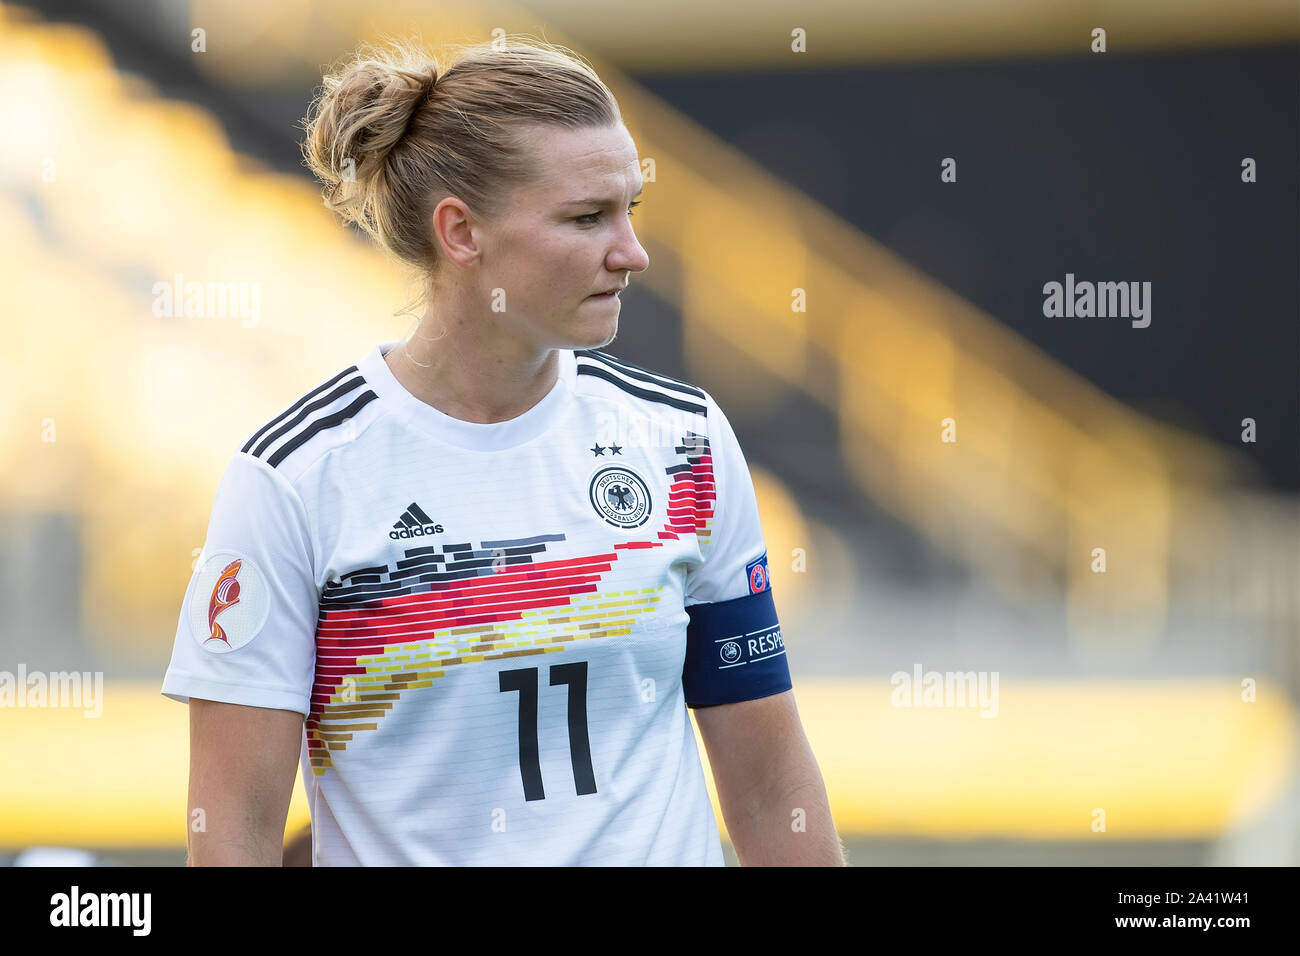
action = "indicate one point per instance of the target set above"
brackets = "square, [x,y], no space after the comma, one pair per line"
[246,633]
[734,647]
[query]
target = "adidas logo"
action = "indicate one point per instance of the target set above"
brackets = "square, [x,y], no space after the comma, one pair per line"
[414,523]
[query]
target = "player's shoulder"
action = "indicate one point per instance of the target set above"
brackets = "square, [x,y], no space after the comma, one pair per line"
[600,372]
[327,415]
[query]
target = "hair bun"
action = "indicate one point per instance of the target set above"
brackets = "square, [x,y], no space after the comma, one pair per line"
[363,112]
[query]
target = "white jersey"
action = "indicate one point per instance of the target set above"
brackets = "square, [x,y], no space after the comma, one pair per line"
[493,630]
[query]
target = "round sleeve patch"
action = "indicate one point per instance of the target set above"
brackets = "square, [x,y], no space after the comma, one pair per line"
[229,604]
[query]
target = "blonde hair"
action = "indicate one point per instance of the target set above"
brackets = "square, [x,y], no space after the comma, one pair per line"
[391,133]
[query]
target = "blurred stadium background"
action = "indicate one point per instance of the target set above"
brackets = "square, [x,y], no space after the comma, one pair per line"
[130,158]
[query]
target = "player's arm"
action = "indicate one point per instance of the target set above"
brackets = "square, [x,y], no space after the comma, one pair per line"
[736,679]
[244,661]
[242,766]
[769,785]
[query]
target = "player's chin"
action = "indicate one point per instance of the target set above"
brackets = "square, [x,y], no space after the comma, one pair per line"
[595,333]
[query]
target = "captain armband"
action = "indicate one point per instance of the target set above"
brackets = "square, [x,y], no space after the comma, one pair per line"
[734,651]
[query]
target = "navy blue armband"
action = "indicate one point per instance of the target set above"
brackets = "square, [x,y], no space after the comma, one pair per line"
[734,651]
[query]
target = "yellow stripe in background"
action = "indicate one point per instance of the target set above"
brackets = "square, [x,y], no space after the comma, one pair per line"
[119,780]
[1164,760]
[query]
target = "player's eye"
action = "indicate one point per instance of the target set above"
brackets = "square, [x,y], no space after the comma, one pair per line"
[595,215]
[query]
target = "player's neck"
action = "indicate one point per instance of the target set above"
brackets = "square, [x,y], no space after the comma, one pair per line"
[469,380]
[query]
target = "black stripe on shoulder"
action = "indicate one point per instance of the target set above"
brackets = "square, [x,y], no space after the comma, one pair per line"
[600,372]
[639,373]
[343,388]
[295,407]
[329,421]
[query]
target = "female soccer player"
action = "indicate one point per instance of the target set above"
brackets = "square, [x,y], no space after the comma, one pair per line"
[474,581]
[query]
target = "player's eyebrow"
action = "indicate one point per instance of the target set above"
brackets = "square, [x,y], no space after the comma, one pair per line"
[601,203]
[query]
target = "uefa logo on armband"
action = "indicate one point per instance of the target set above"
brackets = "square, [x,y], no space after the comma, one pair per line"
[756,571]
[228,603]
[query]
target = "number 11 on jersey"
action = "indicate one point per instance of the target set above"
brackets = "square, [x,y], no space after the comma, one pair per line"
[524,680]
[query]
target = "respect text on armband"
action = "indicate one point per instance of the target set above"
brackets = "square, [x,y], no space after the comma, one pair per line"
[741,649]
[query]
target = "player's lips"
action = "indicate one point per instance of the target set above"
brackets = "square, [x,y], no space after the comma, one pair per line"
[608,294]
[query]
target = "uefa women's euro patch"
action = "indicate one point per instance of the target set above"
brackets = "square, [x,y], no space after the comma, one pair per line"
[228,603]
[756,571]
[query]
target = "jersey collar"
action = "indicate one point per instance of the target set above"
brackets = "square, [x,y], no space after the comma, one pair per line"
[474,436]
